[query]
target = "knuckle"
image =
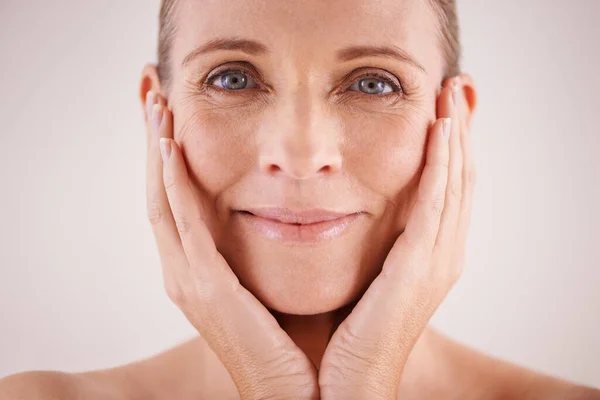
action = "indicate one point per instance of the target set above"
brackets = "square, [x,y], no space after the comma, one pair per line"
[419,274]
[455,189]
[410,242]
[440,165]
[457,268]
[170,183]
[154,212]
[186,295]
[351,345]
[174,292]
[183,225]
[448,276]
[437,205]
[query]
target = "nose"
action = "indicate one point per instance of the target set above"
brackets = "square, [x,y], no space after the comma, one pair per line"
[300,140]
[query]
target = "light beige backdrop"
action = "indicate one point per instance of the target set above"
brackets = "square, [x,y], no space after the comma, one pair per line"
[80,282]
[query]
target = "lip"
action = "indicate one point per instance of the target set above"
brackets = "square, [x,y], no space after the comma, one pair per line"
[309,226]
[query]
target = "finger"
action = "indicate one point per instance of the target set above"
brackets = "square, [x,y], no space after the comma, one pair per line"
[150,101]
[423,223]
[159,212]
[153,98]
[450,214]
[163,102]
[468,178]
[196,238]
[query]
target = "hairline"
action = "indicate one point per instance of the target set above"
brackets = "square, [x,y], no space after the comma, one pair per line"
[448,30]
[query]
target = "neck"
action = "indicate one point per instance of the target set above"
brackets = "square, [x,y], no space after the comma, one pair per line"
[311,333]
[427,361]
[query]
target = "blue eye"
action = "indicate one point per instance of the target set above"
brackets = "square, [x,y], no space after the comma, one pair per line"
[236,80]
[233,80]
[372,85]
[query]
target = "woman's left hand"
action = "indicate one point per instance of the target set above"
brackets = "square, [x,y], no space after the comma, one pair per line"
[367,353]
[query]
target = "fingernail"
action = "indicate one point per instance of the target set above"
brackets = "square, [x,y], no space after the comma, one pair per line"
[165,149]
[157,113]
[150,97]
[454,93]
[446,125]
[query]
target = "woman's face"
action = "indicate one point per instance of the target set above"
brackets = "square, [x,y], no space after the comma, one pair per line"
[319,105]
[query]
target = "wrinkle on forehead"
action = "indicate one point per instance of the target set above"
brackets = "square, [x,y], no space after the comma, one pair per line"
[302,32]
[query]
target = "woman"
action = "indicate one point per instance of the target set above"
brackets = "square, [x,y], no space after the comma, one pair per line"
[309,186]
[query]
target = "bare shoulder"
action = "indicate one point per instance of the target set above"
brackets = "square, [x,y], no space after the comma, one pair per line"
[52,385]
[187,371]
[544,387]
[481,376]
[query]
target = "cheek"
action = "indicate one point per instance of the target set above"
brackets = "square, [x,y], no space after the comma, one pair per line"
[217,148]
[385,151]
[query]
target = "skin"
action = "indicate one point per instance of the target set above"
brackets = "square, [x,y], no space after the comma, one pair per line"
[347,317]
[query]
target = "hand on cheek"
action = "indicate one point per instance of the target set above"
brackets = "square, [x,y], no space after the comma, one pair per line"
[261,358]
[366,355]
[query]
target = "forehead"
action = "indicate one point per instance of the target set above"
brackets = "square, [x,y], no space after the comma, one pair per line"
[314,29]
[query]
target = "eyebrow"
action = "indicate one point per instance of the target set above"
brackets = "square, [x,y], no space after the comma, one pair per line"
[253,47]
[247,46]
[354,52]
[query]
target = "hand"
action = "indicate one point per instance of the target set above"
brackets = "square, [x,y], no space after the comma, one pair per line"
[367,353]
[261,358]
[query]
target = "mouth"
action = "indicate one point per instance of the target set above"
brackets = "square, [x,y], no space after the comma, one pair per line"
[310,226]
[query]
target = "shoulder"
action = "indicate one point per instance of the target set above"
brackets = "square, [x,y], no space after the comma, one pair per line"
[51,385]
[187,371]
[544,387]
[31,385]
[484,376]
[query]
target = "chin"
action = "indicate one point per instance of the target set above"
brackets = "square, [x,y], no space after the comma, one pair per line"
[307,299]
[305,280]
[302,288]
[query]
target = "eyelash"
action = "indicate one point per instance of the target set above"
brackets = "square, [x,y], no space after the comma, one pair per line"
[397,89]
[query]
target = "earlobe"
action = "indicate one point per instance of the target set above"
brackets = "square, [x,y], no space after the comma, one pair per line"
[149,82]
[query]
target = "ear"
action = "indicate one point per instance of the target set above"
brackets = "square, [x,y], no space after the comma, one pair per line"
[149,82]
[469,94]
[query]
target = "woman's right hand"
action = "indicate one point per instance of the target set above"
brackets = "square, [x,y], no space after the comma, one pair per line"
[261,358]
